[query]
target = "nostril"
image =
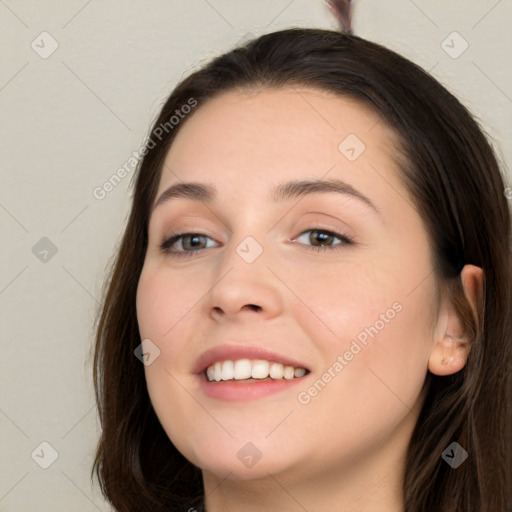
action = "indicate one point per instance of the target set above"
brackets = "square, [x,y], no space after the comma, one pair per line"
[254,307]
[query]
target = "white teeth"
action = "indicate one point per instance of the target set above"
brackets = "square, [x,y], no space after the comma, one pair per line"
[243,369]
[259,369]
[299,372]
[288,372]
[217,371]
[276,370]
[227,370]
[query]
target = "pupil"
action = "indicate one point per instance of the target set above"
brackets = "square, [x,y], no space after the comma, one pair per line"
[321,236]
[194,240]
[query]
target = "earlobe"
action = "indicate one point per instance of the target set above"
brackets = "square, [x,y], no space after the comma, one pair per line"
[449,355]
[451,350]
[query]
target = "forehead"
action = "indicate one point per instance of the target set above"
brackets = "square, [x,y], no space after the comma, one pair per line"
[246,139]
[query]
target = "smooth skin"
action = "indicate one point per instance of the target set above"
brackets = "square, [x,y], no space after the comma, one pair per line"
[345,448]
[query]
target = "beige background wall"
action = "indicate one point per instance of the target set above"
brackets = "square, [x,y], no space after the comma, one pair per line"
[71,118]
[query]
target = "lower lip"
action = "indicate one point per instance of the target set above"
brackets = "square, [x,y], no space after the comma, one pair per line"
[236,391]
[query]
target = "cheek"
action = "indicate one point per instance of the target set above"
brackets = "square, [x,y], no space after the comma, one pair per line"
[164,313]
[388,373]
[337,302]
[164,303]
[167,305]
[373,374]
[378,319]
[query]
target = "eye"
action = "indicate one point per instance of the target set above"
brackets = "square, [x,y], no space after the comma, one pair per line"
[322,236]
[191,243]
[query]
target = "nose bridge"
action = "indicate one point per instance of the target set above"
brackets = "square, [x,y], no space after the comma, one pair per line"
[248,240]
[243,280]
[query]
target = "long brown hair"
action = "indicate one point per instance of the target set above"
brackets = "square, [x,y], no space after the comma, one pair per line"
[450,170]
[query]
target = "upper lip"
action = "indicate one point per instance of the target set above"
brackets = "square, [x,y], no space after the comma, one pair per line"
[235,352]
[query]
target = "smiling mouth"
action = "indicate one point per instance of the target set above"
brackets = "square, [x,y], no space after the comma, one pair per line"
[252,370]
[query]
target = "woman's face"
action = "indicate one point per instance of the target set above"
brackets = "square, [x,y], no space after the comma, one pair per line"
[341,276]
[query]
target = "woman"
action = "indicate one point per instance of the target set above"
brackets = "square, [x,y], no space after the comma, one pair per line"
[316,275]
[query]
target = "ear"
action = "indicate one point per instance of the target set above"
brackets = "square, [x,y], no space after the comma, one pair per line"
[452,346]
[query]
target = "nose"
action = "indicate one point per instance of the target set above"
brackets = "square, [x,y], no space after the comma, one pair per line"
[243,289]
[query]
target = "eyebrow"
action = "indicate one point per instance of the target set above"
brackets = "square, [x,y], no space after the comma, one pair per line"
[292,189]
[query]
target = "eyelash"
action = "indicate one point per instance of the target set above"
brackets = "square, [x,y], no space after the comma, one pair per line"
[173,238]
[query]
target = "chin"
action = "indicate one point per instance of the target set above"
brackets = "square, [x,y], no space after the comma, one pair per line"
[240,459]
